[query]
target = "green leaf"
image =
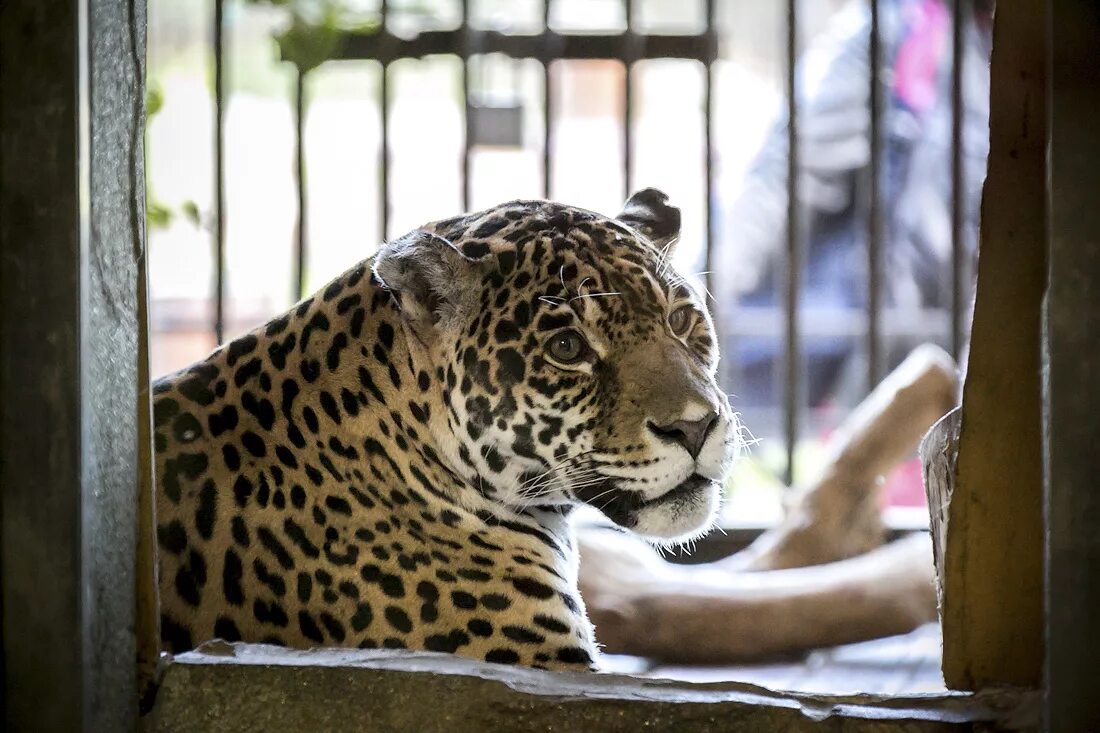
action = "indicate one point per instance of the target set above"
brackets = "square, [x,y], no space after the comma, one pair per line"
[191,210]
[154,100]
[158,215]
[307,45]
[314,29]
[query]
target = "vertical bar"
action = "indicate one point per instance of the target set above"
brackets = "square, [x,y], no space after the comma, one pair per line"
[628,136]
[301,234]
[708,165]
[628,102]
[1071,327]
[547,102]
[41,308]
[465,57]
[219,171]
[958,185]
[793,361]
[874,212]
[384,167]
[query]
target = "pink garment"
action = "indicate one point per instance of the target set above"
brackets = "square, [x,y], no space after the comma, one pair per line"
[917,63]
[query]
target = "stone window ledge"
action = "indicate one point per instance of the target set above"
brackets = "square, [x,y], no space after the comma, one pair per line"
[238,687]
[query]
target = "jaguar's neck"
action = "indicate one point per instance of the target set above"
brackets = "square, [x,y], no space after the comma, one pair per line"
[376,387]
[373,386]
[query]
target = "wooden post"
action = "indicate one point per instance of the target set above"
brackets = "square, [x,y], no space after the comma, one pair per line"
[993,584]
[1072,323]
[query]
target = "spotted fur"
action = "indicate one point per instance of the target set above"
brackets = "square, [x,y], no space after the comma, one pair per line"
[392,462]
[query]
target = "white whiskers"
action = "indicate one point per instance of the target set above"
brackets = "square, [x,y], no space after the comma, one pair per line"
[574,471]
[685,279]
[664,260]
[592,295]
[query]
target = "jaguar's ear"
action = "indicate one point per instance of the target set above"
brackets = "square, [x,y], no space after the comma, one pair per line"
[430,278]
[648,212]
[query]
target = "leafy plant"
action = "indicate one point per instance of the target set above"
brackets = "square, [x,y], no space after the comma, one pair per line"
[314,29]
[311,35]
[158,214]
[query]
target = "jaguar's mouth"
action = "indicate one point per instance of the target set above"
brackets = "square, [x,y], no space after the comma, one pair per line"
[686,489]
[682,509]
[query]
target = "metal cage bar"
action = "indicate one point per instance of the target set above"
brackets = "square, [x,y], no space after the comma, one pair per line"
[544,55]
[792,362]
[466,142]
[549,44]
[708,163]
[384,158]
[219,171]
[874,207]
[628,101]
[301,233]
[958,188]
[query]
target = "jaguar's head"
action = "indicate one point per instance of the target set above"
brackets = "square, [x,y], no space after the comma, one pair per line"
[575,364]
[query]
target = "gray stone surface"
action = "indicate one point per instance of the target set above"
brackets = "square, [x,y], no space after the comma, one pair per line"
[238,687]
[115,236]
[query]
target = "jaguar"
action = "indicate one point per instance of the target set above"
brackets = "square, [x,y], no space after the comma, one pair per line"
[394,462]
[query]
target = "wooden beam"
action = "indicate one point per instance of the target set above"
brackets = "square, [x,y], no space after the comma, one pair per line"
[993,585]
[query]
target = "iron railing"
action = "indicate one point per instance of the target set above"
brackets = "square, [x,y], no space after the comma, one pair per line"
[630,47]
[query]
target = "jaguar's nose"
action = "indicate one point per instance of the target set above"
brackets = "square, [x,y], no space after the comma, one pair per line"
[691,434]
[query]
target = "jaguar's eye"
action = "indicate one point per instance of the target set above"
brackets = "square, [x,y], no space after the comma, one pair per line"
[680,320]
[567,347]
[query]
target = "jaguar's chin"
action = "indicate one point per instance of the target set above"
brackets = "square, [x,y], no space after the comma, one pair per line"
[682,513]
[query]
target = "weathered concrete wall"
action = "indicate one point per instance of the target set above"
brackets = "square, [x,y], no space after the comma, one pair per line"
[248,687]
[116,239]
